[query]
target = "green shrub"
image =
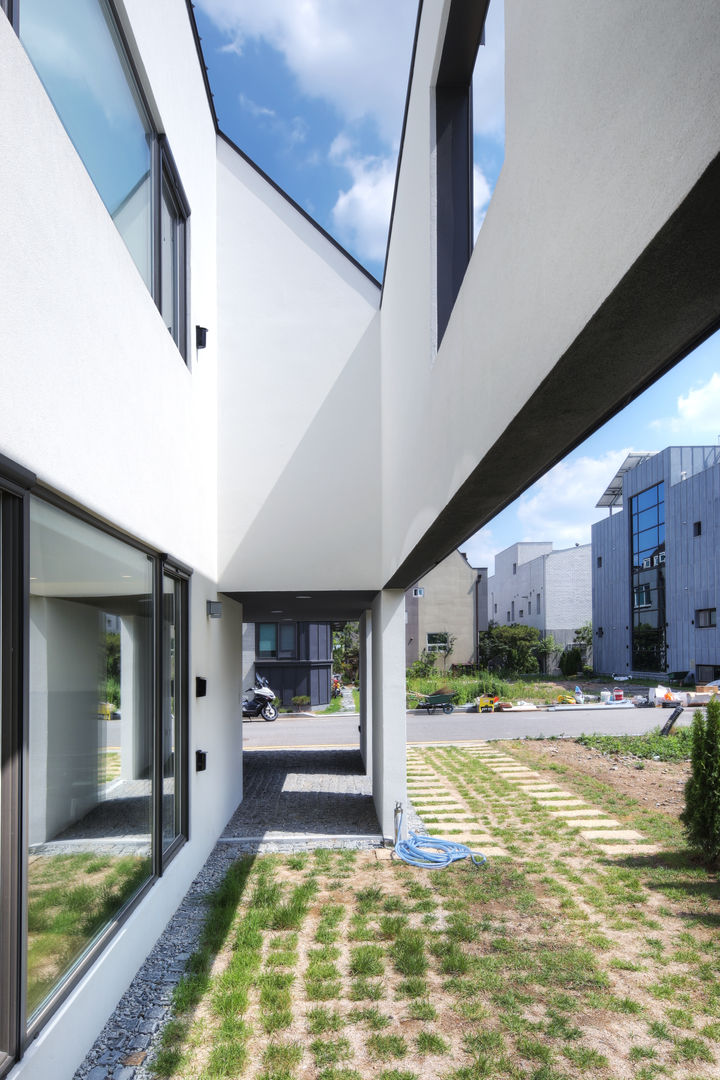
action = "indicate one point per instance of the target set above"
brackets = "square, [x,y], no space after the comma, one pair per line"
[701,816]
[570,662]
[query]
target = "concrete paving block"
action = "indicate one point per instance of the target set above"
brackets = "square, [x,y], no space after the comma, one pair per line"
[611,834]
[629,849]
[561,802]
[593,823]
[588,812]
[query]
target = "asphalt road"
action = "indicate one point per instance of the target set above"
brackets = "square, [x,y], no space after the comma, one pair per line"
[340,729]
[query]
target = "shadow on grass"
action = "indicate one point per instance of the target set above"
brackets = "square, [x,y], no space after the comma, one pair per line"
[222,909]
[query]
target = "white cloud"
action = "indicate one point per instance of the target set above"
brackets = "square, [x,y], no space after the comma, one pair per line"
[361,213]
[698,414]
[482,193]
[253,108]
[354,54]
[489,77]
[561,505]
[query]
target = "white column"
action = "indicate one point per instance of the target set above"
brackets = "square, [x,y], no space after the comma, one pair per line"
[388,705]
[365,680]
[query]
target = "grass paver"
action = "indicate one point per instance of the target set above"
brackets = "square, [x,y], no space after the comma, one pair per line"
[565,959]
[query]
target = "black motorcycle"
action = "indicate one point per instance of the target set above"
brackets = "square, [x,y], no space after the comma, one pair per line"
[261,702]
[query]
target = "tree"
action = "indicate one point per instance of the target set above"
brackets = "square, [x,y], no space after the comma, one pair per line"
[701,816]
[544,650]
[584,641]
[346,651]
[511,649]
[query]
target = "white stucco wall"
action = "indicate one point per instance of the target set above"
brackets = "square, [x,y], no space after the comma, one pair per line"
[598,153]
[99,403]
[448,605]
[299,406]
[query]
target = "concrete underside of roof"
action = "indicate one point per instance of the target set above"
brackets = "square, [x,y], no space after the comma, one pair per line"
[665,305]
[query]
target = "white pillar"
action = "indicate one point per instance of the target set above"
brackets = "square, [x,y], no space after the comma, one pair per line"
[365,679]
[388,705]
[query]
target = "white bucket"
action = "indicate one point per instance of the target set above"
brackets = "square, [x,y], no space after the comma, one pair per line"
[605,695]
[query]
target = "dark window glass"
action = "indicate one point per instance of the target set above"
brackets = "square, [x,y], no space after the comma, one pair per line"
[287,640]
[697,528]
[267,639]
[706,617]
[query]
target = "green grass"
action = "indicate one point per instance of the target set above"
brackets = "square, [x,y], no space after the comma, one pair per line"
[70,899]
[673,747]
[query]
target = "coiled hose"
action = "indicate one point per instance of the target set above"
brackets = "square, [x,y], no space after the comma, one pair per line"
[430,851]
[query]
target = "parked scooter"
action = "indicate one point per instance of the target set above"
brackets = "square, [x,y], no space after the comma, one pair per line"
[261,702]
[336,686]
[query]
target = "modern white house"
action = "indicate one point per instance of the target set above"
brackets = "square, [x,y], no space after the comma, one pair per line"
[656,565]
[154,281]
[533,585]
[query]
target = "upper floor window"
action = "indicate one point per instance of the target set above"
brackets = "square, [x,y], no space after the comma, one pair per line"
[697,528]
[79,54]
[276,640]
[706,617]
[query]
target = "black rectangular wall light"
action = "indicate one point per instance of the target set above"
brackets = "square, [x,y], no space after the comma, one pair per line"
[200,337]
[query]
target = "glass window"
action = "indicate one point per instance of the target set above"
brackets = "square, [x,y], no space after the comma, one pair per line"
[267,639]
[90,739]
[437,641]
[287,640]
[706,617]
[74,48]
[173,707]
[78,54]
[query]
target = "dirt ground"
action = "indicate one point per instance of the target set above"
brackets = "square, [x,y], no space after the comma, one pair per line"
[657,785]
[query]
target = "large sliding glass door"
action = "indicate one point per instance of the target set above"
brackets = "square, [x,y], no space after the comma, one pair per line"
[93,787]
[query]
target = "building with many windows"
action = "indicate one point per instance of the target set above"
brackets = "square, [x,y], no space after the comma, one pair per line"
[656,570]
[154,282]
[295,658]
[533,585]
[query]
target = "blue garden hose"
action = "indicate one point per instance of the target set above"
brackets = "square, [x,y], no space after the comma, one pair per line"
[430,851]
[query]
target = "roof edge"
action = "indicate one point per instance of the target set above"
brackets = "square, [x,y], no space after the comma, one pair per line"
[253,164]
[296,206]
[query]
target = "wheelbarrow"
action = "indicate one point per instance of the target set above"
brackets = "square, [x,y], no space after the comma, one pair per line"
[431,702]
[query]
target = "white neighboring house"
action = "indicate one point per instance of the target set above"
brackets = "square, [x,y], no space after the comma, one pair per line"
[533,585]
[155,281]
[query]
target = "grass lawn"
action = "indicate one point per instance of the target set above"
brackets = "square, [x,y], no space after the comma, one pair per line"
[556,962]
[70,899]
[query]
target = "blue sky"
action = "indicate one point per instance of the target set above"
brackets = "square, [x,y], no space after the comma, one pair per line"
[314,92]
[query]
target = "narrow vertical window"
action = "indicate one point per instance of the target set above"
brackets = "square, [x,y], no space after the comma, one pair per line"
[174,680]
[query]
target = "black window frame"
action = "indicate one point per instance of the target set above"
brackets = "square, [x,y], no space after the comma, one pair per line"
[162,168]
[17,485]
[454,152]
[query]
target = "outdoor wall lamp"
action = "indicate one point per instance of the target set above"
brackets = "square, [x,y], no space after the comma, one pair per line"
[214,609]
[200,337]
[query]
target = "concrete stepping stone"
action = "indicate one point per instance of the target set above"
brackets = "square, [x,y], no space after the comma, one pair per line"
[532,788]
[556,793]
[561,802]
[589,812]
[594,823]
[629,849]
[611,834]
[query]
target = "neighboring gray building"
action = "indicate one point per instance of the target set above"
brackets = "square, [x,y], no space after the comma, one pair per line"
[450,599]
[656,570]
[294,657]
[536,586]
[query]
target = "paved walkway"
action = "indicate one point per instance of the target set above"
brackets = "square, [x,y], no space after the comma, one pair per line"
[293,800]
